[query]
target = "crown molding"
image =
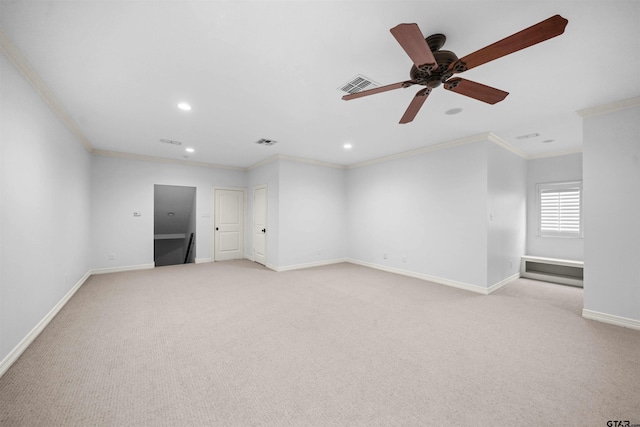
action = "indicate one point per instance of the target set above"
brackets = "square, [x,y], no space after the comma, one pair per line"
[504,144]
[554,154]
[310,161]
[295,159]
[26,69]
[428,149]
[264,162]
[609,108]
[486,136]
[121,155]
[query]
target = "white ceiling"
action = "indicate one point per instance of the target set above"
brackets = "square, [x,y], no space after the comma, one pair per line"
[271,69]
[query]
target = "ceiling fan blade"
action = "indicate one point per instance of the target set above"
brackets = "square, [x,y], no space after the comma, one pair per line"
[474,90]
[535,34]
[413,42]
[416,104]
[378,90]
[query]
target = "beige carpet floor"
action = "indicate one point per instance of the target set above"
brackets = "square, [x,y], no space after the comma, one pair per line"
[235,344]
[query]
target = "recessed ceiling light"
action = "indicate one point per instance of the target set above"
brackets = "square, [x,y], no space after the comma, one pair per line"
[453,111]
[546,141]
[184,106]
[189,150]
[347,146]
[171,213]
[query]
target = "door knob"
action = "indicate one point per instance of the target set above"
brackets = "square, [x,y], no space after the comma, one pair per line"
[216,228]
[264,230]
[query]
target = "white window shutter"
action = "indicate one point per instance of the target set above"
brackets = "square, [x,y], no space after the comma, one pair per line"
[560,209]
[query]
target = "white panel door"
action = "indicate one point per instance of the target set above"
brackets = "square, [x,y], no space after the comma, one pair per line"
[228,239]
[260,225]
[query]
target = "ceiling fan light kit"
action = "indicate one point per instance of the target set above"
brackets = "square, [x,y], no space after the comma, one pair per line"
[433,67]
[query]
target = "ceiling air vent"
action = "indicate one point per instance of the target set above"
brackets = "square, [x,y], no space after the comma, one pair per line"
[528,136]
[358,84]
[263,141]
[171,141]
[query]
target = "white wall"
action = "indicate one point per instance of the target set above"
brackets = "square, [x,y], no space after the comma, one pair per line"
[430,208]
[45,196]
[121,186]
[313,209]
[551,169]
[306,208]
[506,213]
[611,220]
[3,65]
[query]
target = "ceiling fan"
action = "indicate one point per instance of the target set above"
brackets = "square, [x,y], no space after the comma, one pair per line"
[433,67]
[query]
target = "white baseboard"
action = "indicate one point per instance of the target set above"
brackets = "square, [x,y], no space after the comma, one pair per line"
[611,319]
[502,283]
[439,280]
[306,265]
[202,260]
[13,355]
[123,268]
[426,277]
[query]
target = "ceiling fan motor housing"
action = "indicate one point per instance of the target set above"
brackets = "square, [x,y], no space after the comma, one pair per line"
[436,77]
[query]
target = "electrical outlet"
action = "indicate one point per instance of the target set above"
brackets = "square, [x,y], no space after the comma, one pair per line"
[384,255]
[404,258]
[319,252]
[112,257]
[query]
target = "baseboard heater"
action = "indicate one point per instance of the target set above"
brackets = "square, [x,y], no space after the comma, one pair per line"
[567,272]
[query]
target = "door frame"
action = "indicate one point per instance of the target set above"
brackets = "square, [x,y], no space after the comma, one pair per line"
[213,217]
[266,221]
[194,214]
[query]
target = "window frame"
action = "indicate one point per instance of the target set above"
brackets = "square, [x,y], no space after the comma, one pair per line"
[559,186]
